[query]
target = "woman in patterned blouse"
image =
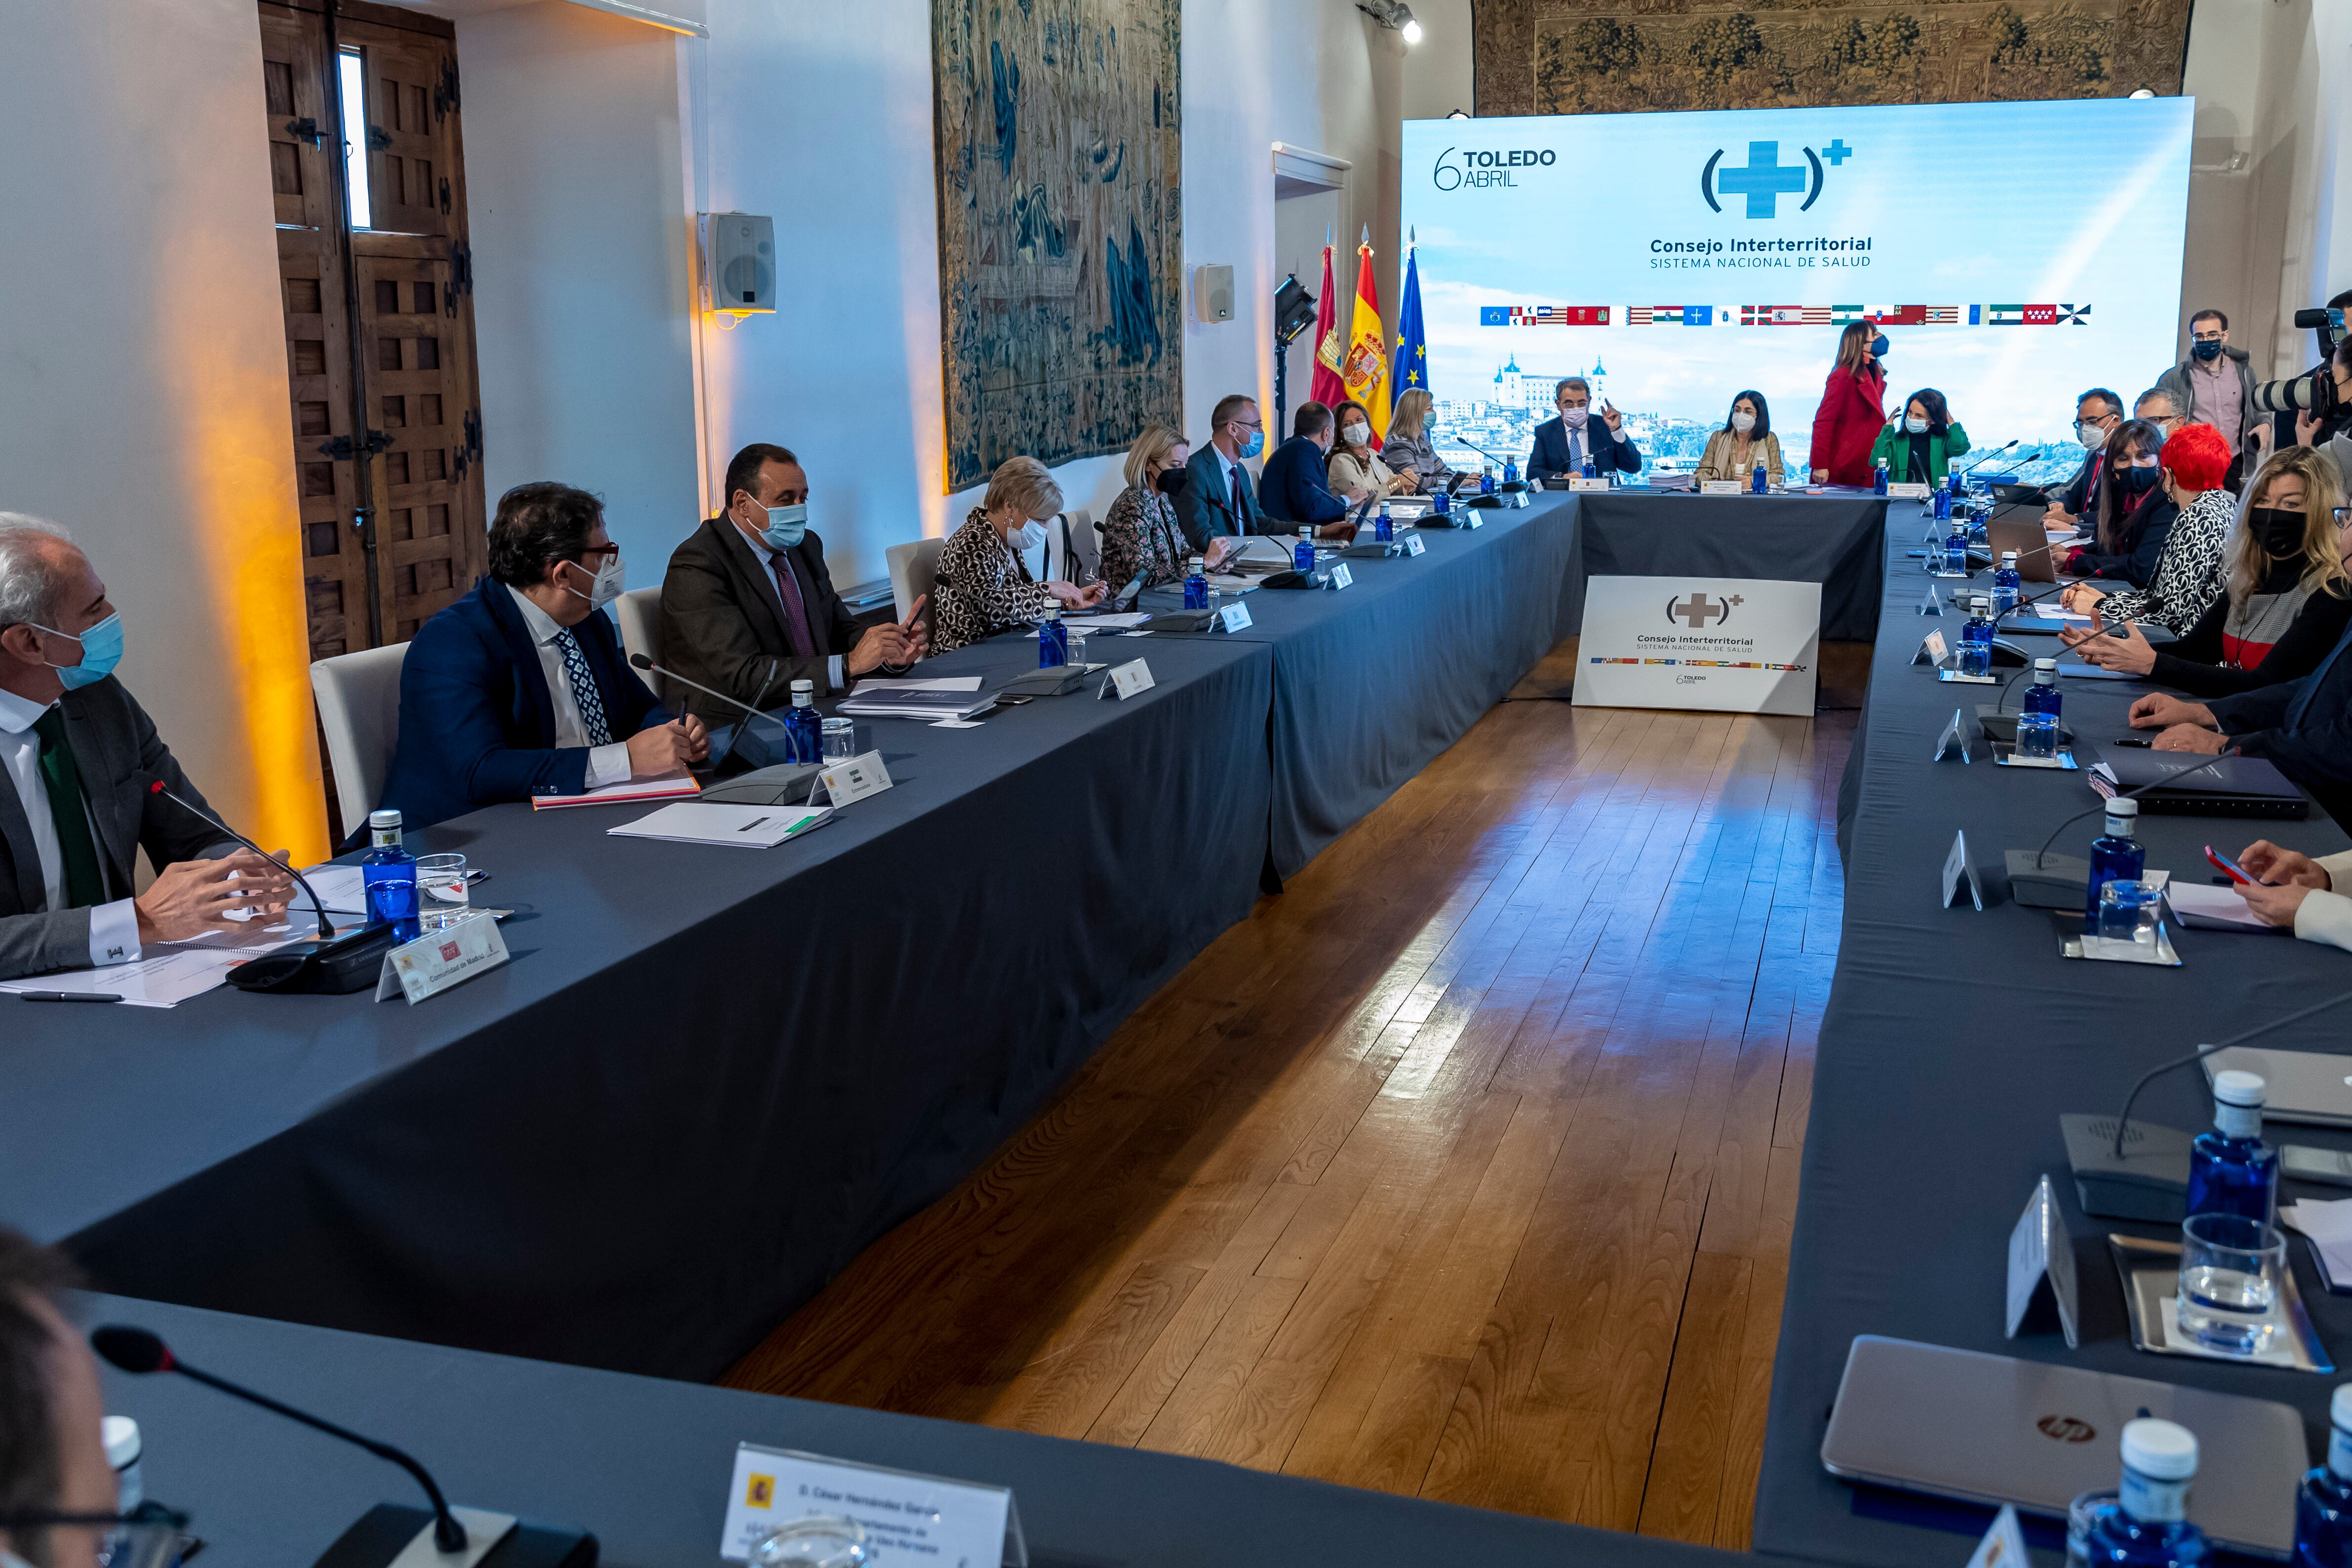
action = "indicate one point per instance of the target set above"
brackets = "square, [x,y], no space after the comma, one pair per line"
[2189,574]
[984,585]
[1139,532]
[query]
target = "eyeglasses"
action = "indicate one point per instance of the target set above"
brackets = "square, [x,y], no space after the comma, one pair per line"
[597,554]
[149,1536]
[2209,336]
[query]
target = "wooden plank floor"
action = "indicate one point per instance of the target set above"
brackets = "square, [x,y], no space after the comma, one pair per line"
[1464,1168]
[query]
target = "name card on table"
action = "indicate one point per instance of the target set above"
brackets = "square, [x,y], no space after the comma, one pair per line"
[1933,604]
[2003,1545]
[1720,486]
[908,1517]
[2042,1251]
[1125,680]
[440,959]
[1932,650]
[1579,484]
[1908,492]
[1237,617]
[1340,576]
[850,781]
[1953,736]
[1413,545]
[1956,868]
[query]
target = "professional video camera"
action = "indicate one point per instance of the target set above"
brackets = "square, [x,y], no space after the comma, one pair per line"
[2313,392]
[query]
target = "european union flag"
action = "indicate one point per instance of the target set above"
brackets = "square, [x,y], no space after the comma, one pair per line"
[1488,315]
[1412,360]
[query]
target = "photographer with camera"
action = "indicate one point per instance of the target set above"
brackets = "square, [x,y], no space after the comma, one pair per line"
[2311,409]
[2333,393]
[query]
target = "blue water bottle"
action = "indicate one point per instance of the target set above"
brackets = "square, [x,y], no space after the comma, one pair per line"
[1442,503]
[1976,639]
[1052,642]
[1758,483]
[2147,1524]
[388,873]
[2006,585]
[1956,550]
[2231,1169]
[2037,727]
[1943,500]
[1590,471]
[2323,1503]
[1384,526]
[2115,855]
[803,730]
[1878,478]
[1487,479]
[1303,557]
[1196,586]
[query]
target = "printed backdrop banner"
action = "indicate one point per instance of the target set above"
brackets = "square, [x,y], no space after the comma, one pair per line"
[1725,644]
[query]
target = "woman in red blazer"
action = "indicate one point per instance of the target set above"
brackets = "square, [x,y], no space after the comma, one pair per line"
[1852,409]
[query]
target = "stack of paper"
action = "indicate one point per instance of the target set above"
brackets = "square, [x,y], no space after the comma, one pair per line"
[744,827]
[2329,1226]
[621,794]
[950,696]
[2212,908]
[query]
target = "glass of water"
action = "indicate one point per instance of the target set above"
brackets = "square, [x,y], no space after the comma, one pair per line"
[2130,912]
[441,898]
[1079,633]
[837,739]
[2037,735]
[819,1541]
[2229,1271]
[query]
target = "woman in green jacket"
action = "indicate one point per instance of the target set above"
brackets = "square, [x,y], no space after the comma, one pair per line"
[1918,448]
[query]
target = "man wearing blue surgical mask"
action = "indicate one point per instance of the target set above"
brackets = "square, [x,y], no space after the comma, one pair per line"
[748,607]
[77,756]
[1220,496]
[520,689]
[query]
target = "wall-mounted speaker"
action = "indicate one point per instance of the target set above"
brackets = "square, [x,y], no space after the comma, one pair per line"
[739,253]
[1212,293]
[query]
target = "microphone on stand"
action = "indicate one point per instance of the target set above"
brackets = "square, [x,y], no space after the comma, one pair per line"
[2202,1051]
[1986,458]
[326,928]
[641,662]
[2063,887]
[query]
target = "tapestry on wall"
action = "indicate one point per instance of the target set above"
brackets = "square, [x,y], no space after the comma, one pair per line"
[1578,57]
[1060,241]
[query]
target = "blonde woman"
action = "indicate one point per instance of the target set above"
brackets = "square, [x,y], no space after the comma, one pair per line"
[1140,533]
[1408,449]
[1355,465]
[2289,596]
[984,586]
[1744,440]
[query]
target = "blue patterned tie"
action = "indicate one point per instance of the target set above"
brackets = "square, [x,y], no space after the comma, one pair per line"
[589,700]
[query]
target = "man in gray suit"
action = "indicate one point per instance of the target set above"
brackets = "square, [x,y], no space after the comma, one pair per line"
[77,756]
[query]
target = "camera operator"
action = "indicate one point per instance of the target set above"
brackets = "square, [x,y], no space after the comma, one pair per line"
[2315,393]
[2331,429]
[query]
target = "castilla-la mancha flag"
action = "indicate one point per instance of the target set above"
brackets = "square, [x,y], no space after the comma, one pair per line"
[1364,366]
[1328,388]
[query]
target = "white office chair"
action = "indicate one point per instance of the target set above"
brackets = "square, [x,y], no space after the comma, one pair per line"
[359,710]
[639,614]
[914,572]
[1071,543]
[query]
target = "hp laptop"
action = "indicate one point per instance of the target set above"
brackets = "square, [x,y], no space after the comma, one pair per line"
[2302,1086]
[1992,1429]
[2020,528]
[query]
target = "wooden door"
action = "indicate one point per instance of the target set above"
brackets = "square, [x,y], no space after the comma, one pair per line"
[379,316]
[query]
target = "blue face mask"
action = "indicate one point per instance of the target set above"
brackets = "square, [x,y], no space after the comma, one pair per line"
[102,650]
[786,525]
[2207,349]
[1254,444]
[1879,345]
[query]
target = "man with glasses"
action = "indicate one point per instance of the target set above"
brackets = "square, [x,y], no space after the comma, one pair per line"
[77,756]
[2096,414]
[2215,386]
[56,1486]
[520,687]
[1220,499]
[1562,445]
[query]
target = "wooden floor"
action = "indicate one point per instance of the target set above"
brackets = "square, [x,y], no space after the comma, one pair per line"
[1463,1168]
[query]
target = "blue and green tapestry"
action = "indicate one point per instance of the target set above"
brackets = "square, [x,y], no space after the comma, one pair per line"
[1061,257]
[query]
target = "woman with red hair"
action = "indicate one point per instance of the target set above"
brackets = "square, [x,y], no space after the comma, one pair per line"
[2190,575]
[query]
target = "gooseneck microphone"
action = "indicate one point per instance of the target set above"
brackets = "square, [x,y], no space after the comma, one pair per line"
[2133,793]
[1989,457]
[2202,1051]
[326,928]
[641,662]
[136,1350]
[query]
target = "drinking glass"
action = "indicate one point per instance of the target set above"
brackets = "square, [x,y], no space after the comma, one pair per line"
[2229,1271]
[2130,912]
[441,900]
[2079,1515]
[837,739]
[1079,633]
[2037,735]
[819,1541]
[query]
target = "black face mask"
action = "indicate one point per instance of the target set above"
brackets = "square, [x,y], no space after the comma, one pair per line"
[2278,529]
[2137,479]
[1170,483]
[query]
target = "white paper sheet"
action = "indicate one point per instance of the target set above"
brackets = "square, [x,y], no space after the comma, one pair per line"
[168,973]
[340,887]
[737,827]
[943,684]
[2219,905]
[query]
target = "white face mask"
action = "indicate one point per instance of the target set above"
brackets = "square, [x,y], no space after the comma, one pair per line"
[2090,435]
[1356,434]
[1915,424]
[1027,536]
[611,580]
[1743,423]
[1576,413]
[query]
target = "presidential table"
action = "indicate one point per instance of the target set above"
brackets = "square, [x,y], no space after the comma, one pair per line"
[644,1464]
[1951,1043]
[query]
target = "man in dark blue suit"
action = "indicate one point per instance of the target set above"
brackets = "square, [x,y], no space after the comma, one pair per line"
[520,687]
[1219,498]
[1294,488]
[1563,444]
[2302,726]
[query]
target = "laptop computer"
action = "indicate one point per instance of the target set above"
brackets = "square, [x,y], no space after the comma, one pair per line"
[2020,528]
[2310,1086]
[1994,1429]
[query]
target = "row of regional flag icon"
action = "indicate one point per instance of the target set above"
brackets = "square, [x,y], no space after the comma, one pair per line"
[1783,315]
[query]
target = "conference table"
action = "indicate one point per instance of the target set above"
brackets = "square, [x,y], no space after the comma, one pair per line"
[1952,1041]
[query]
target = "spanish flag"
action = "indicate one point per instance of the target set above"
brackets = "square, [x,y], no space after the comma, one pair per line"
[1364,368]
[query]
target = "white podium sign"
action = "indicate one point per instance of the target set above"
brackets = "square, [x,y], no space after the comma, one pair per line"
[1722,644]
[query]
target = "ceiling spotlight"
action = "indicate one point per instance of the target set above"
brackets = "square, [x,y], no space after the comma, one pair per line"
[1411,30]
[2142,92]
[1393,14]
[1459,114]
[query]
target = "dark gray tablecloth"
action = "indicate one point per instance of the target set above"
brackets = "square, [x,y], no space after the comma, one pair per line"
[1952,1041]
[707,1079]
[1830,539]
[644,1464]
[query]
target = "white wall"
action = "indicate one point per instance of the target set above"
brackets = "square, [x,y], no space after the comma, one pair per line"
[1437,73]
[142,372]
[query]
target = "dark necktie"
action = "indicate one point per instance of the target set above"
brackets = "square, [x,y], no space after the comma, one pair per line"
[796,625]
[84,883]
[1240,503]
[584,695]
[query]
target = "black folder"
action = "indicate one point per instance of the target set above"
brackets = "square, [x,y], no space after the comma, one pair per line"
[2225,786]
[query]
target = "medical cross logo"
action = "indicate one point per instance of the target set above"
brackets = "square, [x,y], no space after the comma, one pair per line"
[1764,179]
[1700,610]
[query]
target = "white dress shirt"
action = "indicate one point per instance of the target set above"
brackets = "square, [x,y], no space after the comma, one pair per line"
[834,673]
[113,927]
[607,764]
[2326,916]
